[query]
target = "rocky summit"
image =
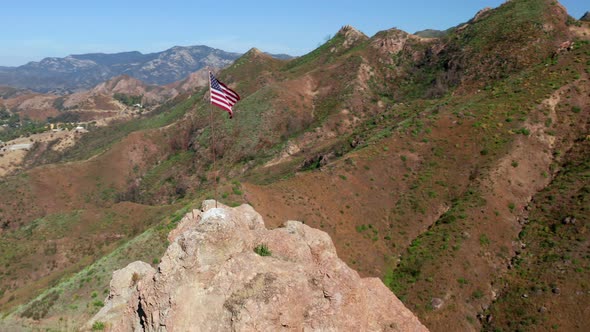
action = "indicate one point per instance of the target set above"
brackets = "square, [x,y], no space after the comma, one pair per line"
[224,270]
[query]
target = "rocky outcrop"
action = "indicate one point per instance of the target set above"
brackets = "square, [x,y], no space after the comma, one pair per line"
[212,278]
[351,37]
[390,41]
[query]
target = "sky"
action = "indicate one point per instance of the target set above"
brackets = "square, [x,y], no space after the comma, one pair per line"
[33,30]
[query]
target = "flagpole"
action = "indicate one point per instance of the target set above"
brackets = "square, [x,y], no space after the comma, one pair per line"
[212,139]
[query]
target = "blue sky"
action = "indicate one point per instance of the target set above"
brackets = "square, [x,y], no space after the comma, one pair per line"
[32,30]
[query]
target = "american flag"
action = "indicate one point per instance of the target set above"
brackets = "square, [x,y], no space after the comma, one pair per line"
[222,96]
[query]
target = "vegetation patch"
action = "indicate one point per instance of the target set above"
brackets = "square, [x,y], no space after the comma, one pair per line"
[555,261]
[262,250]
[129,100]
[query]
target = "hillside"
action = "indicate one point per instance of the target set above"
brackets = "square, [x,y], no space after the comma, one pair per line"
[48,122]
[448,167]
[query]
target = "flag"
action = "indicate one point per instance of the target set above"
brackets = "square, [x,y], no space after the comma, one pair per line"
[221,95]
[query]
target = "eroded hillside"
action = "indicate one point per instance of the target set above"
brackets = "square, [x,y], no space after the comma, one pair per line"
[419,156]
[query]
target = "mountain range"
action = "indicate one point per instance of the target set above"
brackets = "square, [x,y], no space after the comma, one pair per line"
[83,71]
[454,168]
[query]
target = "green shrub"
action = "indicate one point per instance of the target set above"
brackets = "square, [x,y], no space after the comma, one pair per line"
[477,294]
[98,326]
[484,240]
[128,100]
[262,250]
[523,131]
[237,191]
[511,206]
[462,281]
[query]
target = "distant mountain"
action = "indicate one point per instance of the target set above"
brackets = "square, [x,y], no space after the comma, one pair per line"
[433,33]
[83,71]
[430,33]
[280,56]
[585,17]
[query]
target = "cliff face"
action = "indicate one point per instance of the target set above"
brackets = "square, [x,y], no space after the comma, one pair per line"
[211,278]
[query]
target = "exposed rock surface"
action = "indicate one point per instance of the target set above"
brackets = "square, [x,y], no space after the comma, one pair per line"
[211,279]
[352,37]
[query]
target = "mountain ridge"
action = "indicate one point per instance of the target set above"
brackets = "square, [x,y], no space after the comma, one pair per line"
[419,157]
[78,72]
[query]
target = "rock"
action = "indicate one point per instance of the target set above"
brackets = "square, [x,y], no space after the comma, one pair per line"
[567,220]
[494,294]
[481,14]
[436,303]
[391,41]
[556,290]
[316,161]
[356,141]
[351,37]
[542,310]
[210,277]
[123,294]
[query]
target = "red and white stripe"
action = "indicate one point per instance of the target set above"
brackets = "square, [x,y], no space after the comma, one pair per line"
[222,96]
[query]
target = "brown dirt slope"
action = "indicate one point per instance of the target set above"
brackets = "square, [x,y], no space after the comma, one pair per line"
[417,156]
[445,194]
[76,206]
[547,287]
